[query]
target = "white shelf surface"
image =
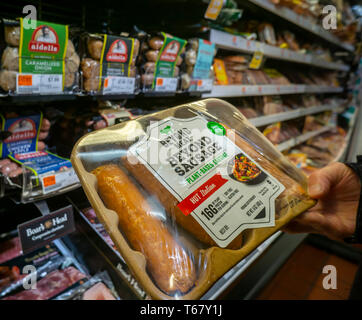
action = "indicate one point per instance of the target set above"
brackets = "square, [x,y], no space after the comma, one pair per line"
[232,42]
[262,90]
[306,23]
[284,116]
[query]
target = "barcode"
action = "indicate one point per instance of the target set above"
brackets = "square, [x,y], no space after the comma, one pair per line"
[52,187]
[25,90]
[255,207]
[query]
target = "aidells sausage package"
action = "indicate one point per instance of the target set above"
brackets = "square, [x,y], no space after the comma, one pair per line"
[109,64]
[39,58]
[161,58]
[187,193]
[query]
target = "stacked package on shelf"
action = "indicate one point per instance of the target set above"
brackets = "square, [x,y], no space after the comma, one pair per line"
[196,69]
[57,274]
[38,61]
[109,64]
[25,163]
[160,62]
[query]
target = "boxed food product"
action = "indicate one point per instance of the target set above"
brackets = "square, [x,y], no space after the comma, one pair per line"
[38,61]
[188,192]
[109,64]
[160,62]
[196,69]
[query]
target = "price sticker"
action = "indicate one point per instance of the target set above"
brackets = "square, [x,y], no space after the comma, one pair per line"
[204,85]
[166,84]
[257,60]
[213,10]
[25,80]
[49,181]
[118,85]
[39,83]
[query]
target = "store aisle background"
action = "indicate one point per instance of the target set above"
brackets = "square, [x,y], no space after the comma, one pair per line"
[301,277]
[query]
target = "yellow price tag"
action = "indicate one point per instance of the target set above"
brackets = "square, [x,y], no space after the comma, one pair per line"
[257,60]
[213,10]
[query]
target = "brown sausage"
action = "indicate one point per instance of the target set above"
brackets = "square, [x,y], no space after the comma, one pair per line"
[43,135]
[168,262]
[90,68]
[4,162]
[41,146]
[151,55]
[45,125]
[156,43]
[169,202]
[136,47]
[16,172]
[95,48]
[6,169]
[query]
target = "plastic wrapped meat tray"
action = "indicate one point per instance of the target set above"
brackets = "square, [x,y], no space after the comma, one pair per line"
[187,193]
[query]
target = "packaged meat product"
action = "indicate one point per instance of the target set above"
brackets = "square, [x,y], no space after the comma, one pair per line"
[51,285]
[187,192]
[196,71]
[42,61]
[273,133]
[275,77]
[248,113]
[160,63]
[99,287]
[45,260]
[266,34]
[10,249]
[291,41]
[24,133]
[108,64]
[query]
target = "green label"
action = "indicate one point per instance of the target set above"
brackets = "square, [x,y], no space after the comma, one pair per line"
[216,128]
[42,50]
[166,62]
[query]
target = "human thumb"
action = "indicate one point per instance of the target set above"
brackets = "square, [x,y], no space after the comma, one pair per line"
[320,182]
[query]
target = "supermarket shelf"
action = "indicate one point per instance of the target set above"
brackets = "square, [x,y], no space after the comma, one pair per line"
[305,23]
[284,116]
[302,138]
[229,41]
[262,90]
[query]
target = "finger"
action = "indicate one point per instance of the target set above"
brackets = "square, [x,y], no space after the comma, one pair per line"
[296,227]
[320,182]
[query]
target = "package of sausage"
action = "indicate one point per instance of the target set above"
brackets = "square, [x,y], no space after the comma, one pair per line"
[196,68]
[109,64]
[188,192]
[161,58]
[38,59]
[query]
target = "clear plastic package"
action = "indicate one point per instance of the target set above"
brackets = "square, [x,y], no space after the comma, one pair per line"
[161,58]
[109,64]
[187,193]
[38,61]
